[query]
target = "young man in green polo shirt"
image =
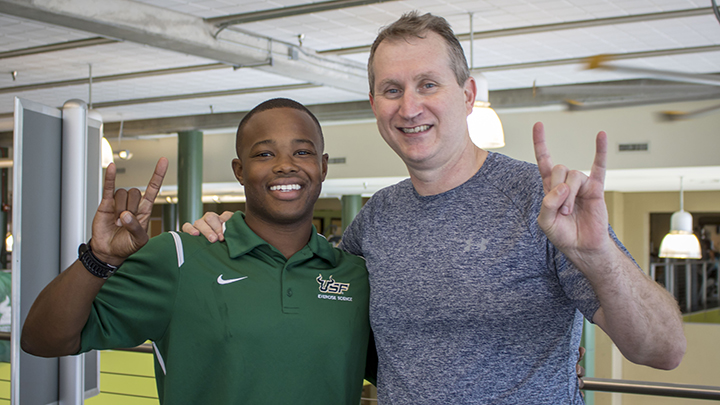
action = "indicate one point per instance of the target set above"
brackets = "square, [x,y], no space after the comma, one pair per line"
[273,315]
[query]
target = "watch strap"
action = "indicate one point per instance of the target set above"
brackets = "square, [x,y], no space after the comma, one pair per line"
[94,265]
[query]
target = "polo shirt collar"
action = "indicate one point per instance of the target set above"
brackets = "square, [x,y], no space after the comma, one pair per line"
[241,239]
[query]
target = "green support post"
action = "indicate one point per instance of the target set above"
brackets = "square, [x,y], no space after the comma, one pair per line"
[169,217]
[190,175]
[351,205]
[588,342]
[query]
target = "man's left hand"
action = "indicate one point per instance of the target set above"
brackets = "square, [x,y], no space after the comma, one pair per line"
[573,214]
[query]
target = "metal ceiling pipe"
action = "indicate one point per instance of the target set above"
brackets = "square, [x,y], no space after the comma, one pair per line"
[535,29]
[166,29]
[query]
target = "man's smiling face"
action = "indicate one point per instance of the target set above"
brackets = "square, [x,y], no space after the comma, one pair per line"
[281,165]
[421,110]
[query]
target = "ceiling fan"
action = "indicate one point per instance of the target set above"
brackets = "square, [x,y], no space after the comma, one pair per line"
[602,62]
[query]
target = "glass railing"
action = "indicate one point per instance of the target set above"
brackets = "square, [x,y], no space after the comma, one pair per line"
[693,283]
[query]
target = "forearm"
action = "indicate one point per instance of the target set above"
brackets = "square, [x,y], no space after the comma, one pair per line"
[641,318]
[55,321]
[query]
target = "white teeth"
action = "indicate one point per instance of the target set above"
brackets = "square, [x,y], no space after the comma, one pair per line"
[285,187]
[416,129]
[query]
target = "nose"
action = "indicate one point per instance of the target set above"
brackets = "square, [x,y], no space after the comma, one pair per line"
[285,164]
[410,105]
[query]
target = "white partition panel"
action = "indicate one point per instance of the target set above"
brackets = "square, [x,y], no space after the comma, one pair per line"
[36,233]
[57,186]
[93,194]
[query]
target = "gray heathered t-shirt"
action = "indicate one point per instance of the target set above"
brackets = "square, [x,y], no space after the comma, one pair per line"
[470,303]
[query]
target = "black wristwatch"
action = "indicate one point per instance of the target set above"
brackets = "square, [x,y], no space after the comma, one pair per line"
[93,264]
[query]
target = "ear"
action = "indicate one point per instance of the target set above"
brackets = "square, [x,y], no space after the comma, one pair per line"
[372,103]
[238,170]
[324,165]
[470,91]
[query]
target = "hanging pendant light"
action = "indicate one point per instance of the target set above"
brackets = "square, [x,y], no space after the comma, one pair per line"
[484,125]
[681,242]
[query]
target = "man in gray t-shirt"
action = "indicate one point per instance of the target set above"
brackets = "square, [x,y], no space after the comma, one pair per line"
[481,266]
[469,299]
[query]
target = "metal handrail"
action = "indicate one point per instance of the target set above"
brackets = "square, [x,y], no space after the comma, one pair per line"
[589,384]
[652,388]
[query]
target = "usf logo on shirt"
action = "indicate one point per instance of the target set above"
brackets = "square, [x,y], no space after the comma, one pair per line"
[331,286]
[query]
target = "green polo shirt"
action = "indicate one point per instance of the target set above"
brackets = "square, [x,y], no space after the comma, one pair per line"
[237,323]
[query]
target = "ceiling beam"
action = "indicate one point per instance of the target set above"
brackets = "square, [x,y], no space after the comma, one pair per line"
[535,29]
[354,110]
[214,66]
[586,59]
[525,65]
[595,22]
[166,29]
[290,11]
[609,94]
[111,78]
[599,95]
[207,94]
[61,46]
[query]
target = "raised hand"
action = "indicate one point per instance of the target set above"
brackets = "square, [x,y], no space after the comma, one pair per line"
[120,225]
[640,317]
[573,214]
[210,226]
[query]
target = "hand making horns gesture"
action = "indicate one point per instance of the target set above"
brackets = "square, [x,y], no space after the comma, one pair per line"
[119,228]
[573,214]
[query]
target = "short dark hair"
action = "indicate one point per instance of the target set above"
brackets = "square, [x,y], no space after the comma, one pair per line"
[270,105]
[413,24]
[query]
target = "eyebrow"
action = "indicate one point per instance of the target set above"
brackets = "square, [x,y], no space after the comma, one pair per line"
[418,77]
[388,82]
[273,142]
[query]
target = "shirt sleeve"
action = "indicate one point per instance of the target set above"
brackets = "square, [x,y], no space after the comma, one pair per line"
[136,303]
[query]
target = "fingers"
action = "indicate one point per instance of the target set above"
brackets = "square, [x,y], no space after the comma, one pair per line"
[563,199]
[109,184]
[189,228]
[133,200]
[542,155]
[120,204]
[153,187]
[573,179]
[210,227]
[137,232]
[599,166]
[147,200]
[580,370]
[551,204]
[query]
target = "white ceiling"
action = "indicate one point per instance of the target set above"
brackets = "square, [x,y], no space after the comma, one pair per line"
[509,59]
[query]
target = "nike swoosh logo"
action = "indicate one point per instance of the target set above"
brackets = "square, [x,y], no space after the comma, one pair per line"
[222,281]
